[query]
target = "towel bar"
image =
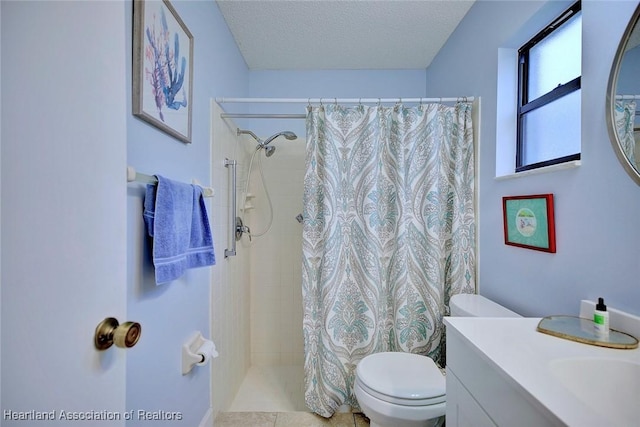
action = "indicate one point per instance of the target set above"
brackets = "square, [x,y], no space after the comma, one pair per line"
[132,175]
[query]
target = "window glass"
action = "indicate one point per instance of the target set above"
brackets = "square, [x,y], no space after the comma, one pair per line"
[553,130]
[556,60]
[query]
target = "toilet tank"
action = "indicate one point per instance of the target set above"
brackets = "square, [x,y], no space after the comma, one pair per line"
[472,305]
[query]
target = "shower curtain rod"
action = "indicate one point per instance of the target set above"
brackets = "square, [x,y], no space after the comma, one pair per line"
[321,101]
[336,100]
[261,116]
[629,98]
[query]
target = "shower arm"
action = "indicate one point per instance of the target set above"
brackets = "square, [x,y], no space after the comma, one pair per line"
[248,132]
[263,143]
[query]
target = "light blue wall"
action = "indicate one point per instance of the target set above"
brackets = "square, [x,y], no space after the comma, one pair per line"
[628,83]
[175,310]
[596,204]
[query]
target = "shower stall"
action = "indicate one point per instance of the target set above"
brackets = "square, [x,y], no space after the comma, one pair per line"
[259,317]
[270,200]
[274,242]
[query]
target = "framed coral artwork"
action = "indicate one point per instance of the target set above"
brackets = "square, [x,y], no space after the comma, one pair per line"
[162,68]
[529,222]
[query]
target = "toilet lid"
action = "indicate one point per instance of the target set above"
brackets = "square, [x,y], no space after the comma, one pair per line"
[402,378]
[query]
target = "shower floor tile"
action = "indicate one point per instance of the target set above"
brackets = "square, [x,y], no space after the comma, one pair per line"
[273,396]
[277,388]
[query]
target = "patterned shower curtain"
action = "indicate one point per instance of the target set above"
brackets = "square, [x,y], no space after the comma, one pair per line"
[625,114]
[388,236]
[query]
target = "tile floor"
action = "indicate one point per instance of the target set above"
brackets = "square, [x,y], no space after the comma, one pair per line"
[273,396]
[288,419]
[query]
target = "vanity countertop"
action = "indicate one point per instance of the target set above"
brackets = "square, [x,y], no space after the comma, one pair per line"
[523,357]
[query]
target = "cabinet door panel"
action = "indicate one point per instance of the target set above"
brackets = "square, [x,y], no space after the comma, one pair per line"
[462,408]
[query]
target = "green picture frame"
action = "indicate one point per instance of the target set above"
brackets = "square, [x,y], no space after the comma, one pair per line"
[529,222]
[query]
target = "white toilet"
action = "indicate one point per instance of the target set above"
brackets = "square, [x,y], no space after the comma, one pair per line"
[396,389]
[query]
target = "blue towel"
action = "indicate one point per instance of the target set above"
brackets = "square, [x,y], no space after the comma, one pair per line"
[176,217]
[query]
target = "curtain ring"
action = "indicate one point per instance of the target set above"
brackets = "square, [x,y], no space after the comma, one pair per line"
[379,101]
[309,102]
[321,102]
[360,101]
[335,101]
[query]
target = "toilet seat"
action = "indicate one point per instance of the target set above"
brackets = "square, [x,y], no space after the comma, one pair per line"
[402,378]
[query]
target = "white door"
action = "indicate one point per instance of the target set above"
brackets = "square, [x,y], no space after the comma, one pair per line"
[63,214]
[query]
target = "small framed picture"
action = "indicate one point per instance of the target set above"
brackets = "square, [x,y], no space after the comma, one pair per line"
[529,222]
[162,68]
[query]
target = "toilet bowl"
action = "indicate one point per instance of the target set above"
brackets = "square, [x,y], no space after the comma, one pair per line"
[400,390]
[396,389]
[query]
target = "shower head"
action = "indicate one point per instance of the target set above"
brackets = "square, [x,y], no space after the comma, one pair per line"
[287,134]
[269,150]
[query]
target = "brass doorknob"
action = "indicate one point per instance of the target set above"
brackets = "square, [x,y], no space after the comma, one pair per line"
[110,332]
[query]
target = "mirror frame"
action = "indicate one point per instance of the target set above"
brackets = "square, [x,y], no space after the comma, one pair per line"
[611,98]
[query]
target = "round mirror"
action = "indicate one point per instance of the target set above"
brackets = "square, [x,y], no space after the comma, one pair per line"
[623,99]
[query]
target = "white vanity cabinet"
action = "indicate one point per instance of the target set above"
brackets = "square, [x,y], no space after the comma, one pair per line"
[480,394]
[503,372]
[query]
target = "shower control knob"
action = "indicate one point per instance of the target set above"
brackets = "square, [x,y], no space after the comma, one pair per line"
[240,228]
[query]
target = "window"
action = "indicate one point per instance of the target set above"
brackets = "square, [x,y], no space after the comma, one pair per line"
[549,94]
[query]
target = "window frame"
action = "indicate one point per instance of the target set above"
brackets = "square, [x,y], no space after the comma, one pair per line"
[526,106]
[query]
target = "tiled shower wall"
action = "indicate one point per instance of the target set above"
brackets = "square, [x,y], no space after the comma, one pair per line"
[276,257]
[230,296]
[256,296]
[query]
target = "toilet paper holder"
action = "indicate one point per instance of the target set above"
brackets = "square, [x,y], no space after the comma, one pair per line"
[197,351]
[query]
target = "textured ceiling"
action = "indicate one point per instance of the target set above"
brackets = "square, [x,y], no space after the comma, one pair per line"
[341,34]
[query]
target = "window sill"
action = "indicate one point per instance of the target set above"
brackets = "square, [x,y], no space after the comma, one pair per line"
[547,169]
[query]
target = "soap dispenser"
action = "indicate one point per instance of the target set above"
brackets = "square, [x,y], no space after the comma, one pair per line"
[601,319]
